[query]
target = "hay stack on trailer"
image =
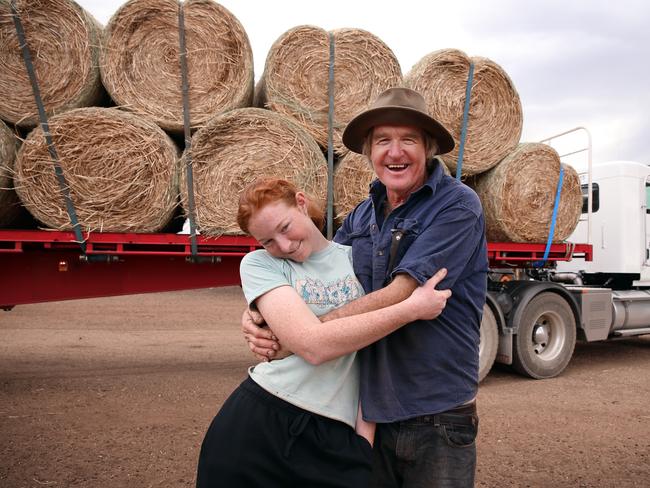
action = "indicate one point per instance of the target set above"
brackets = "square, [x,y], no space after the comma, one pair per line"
[9,204]
[296,74]
[518,196]
[234,149]
[140,61]
[495,113]
[121,170]
[64,43]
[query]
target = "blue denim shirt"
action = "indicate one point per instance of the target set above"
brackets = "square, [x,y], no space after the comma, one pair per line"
[426,367]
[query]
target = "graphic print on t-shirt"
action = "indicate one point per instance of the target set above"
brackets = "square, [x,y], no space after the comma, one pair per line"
[335,293]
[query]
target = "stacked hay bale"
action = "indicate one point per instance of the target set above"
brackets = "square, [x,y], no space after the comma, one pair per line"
[121,171]
[296,76]
[352,177]
[140,61]
[9,205]
[518,196]
[495,113]
[64,43]
[234,149]
[516,183]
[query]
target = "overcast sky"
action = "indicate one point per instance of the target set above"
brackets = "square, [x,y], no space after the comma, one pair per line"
[574,63]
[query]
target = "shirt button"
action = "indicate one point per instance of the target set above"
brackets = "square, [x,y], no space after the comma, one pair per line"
[380,253]
[373,227]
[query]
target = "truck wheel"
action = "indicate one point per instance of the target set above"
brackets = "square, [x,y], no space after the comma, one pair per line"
[487,350]
[546,337]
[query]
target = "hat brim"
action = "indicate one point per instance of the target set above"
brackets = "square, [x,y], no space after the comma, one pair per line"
[358,128]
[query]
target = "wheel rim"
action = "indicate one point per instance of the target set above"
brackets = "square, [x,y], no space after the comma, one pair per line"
[548,336]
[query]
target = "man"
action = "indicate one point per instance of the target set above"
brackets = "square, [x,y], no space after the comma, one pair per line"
[419,383]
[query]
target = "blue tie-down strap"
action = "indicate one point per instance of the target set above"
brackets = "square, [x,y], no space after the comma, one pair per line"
[58,171]
[463,127]
[556,206]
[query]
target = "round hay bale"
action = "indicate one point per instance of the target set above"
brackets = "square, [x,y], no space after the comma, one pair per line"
[121,170]
[64,43]
[495,114]
[296,76]
[352,177]
[10,208]
[234,149]
[518,196]
[140,62]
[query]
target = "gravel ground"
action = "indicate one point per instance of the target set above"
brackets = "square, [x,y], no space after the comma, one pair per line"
[118,392]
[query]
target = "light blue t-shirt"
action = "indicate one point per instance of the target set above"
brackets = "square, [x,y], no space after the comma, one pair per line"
[325,282]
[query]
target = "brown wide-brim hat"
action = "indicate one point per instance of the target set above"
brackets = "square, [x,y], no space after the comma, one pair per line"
[396,106]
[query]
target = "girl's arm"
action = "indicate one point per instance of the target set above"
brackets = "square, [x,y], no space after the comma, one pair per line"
[300,331]
[264,345]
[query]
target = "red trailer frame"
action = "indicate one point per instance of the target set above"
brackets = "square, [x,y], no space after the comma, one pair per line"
[40,266]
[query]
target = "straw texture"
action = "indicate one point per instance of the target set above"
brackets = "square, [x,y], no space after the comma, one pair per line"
[9,204]
[519,193]
[495,113]
[121,171]
[352,177]
[234,149]
[64,43]
[140,63]
[296,74]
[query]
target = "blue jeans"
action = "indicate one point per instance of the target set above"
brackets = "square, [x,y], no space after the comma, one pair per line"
[431,451]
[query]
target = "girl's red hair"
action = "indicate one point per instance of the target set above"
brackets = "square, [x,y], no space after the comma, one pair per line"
[269,190]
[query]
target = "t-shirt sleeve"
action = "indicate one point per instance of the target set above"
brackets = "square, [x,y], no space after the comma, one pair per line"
[451,241]
[348,252]
[260,272]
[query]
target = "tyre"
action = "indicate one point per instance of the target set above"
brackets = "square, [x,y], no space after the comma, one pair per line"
[487,351]
[546,337]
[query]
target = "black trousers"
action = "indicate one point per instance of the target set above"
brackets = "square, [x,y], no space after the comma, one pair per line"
[430,451]
[259,440]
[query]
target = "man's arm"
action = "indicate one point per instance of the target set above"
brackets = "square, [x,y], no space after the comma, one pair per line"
[396,291]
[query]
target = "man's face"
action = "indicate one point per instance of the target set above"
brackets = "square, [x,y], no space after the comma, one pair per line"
[398,157]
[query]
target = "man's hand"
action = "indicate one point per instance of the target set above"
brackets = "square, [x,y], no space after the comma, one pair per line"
[426,301]
[261,340]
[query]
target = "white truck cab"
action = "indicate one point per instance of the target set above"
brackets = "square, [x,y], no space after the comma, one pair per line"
[620,224]
[538,314]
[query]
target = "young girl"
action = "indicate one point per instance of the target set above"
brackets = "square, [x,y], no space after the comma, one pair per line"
[296,421]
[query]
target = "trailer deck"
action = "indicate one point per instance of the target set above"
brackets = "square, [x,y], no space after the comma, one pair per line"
[43,265]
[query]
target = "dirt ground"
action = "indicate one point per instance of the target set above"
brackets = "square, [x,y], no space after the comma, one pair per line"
[118,392]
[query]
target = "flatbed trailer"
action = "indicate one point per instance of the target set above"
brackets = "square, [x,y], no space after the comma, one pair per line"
[43,265]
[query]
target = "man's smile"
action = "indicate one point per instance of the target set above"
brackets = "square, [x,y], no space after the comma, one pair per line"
[397,167]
